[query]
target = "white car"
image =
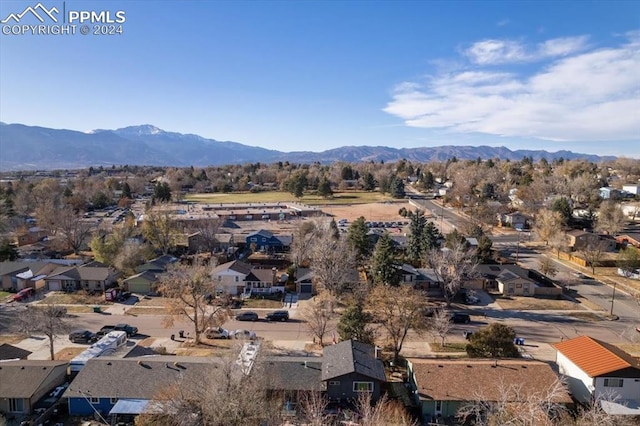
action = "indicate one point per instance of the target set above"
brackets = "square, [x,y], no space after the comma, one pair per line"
[243,334]
[216,333]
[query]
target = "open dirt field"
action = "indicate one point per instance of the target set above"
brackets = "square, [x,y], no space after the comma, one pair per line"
[384,211]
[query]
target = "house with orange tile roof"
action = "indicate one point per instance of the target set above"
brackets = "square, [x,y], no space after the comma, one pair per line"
[442,386]
[597,370]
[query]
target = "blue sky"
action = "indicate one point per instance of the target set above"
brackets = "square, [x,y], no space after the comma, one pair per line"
[315,75]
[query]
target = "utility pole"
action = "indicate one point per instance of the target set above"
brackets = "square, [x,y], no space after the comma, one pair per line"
[613,297]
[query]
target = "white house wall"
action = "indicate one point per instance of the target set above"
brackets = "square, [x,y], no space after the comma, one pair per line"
[630,388]
[229,281]
[580,384]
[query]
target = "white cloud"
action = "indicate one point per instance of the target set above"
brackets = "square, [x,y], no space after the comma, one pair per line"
[593,95]
[490,51]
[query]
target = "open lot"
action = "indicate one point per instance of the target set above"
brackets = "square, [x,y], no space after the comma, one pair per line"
[349,197]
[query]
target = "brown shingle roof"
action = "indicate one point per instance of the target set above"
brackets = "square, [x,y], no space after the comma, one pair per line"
[468,379]
[595,357]
[21,379]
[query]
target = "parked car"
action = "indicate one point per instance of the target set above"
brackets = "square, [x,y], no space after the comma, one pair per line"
[216,333]
[104,330]
[24,294]
[129,329]
[277,316]
[82,336]
[247,316]
[459,318]
[243,334]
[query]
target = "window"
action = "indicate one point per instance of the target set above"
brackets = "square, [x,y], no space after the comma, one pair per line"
[113,400]
[94,400]
[334,383]
[237,278]
[16,405]
[363,386]
[438,406]
[613,383]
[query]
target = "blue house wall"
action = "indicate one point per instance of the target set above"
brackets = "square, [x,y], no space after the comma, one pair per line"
[263,242]
[82,407]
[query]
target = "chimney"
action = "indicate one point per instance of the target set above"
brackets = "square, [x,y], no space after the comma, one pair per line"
[274,270]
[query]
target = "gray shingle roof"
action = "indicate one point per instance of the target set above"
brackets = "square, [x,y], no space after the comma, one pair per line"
[139,377]
[234,265]
[21,379]
[293,373]
[8,351]
[351,356]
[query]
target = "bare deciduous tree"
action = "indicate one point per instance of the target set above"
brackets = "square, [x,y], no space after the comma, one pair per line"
[440,325]
[452,267]
[517,405]
[207,230]
[548,225]
[593,252]
[610,219]
[317,313]
[302,243]
[397,310]
[313,409]
[331,260]
[186,288]
[547,266]
[225,397]
[47,319]
[383,412]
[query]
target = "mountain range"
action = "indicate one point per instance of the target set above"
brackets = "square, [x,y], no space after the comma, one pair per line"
[39,148]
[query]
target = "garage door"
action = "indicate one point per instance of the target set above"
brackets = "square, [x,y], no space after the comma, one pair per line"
[142,288]
[306,288]
[54,285]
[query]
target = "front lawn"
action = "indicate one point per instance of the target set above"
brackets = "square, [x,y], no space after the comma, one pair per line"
[261,303]
[76,298]
[448,347]
[522,303]
[4,294]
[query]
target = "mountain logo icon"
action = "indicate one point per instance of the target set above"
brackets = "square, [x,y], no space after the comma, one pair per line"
[38,11]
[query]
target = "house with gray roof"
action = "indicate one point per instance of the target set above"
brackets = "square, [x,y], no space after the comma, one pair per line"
[350,368]
[8,351]
[143,283]
[106,381]
[24,382]
[84,277]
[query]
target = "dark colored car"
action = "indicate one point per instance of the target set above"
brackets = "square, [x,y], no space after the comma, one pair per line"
[104,330]
[458,318]
[278,316]
[247,316]
[82,336]
[129,329]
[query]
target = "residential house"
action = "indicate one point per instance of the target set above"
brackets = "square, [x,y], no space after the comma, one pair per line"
[512,280]
[595,369]
[142,283]
[609,193]
[515,220]
[8,351]
[264,240]
[263,281]
[84,277]
[578,240]
[631,189]
[350,368]
[159,264]
[230,277]
[18,275]
[630,238]
[24,382]
[31,236]
[287,377]
[442,386]
[420,278]
[107,381]
[306,282]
